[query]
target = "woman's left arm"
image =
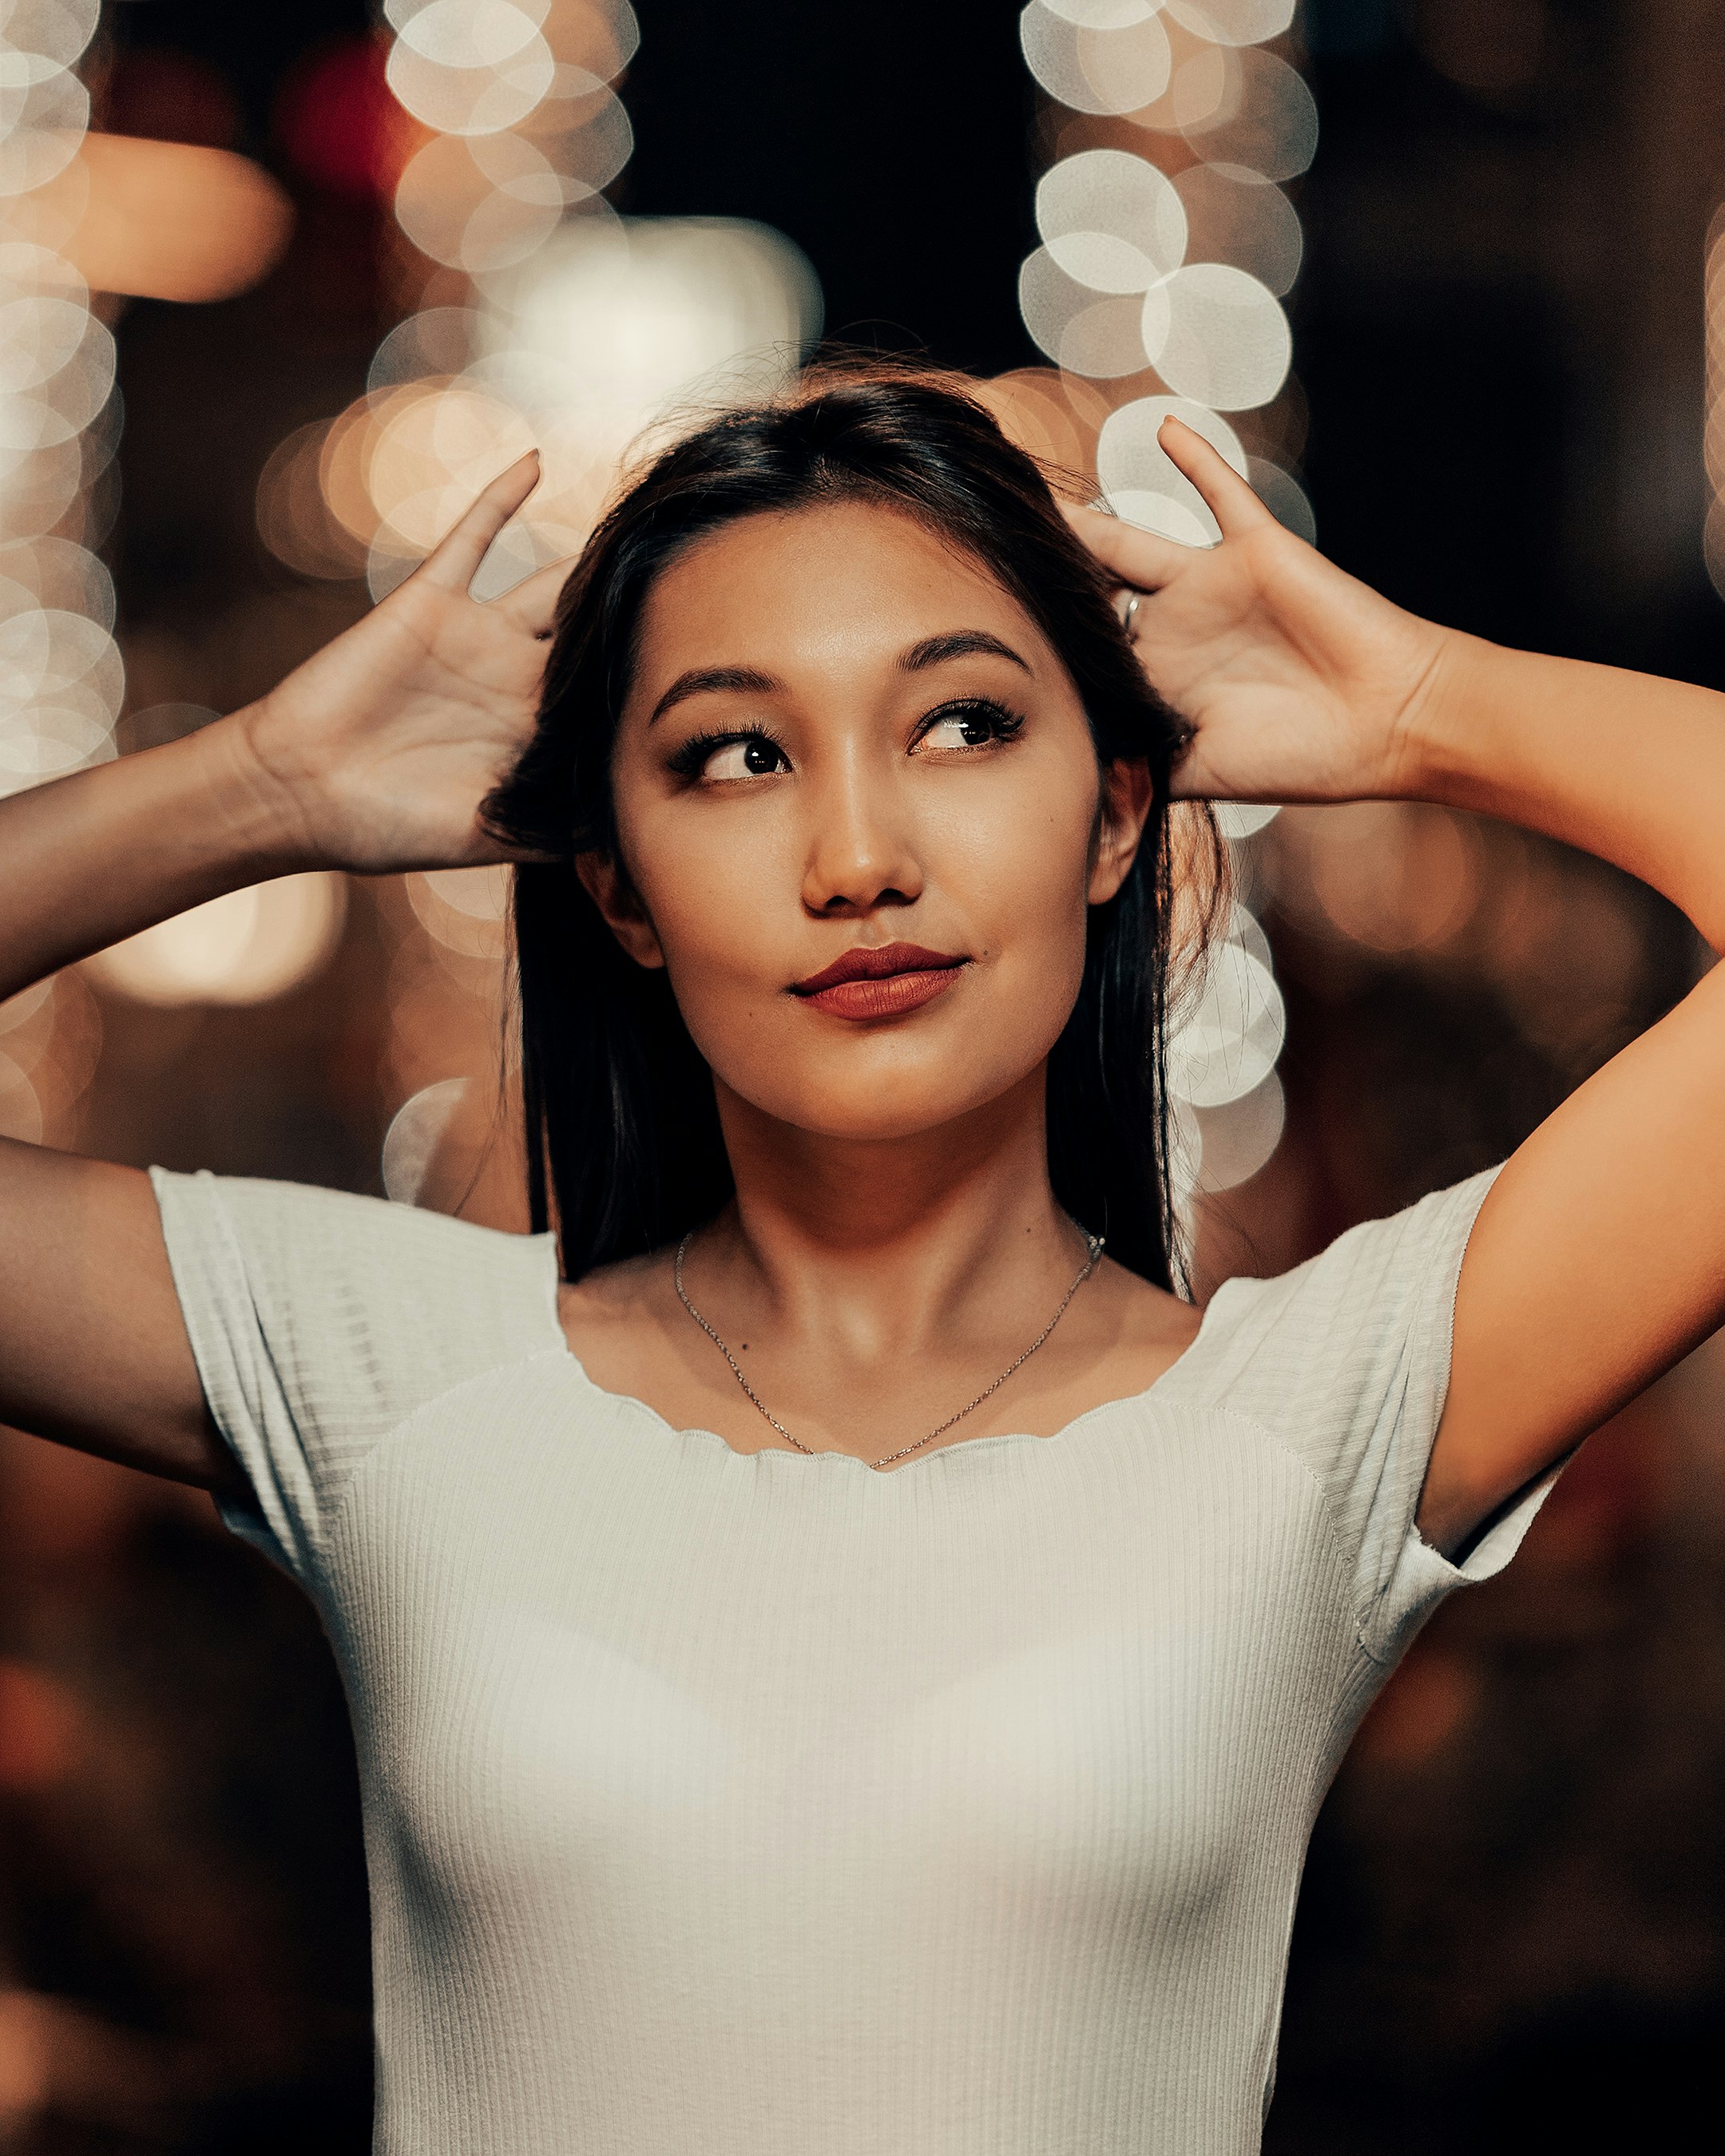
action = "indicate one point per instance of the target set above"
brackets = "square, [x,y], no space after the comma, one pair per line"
[1597,1261]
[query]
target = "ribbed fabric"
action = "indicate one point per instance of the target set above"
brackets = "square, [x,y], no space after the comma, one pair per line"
[771,1806]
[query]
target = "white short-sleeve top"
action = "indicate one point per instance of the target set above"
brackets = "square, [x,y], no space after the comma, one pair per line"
[770,1806]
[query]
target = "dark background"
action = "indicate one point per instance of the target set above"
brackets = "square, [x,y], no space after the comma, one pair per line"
[1510,1930]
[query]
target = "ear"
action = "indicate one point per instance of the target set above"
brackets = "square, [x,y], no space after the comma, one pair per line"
[1127,792]
[606,883]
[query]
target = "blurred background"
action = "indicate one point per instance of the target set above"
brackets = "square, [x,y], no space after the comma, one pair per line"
[279,286]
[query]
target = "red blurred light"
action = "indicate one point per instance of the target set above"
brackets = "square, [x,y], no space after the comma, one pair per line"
[340,123]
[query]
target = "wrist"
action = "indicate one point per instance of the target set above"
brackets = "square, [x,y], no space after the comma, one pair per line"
[1435,735]
[256,808]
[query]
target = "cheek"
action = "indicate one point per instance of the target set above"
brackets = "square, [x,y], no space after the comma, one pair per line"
[723,896]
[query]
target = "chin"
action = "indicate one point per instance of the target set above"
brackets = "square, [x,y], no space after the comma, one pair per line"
[889,1104]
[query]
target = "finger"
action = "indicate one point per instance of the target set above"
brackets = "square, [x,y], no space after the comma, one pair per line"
[533,604]
[1135,556]
[1229,498]
[454,563]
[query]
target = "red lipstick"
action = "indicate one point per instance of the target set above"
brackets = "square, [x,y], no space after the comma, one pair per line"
[880,983]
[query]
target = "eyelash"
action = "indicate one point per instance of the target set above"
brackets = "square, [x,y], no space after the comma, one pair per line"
[690,759]
[1005,725]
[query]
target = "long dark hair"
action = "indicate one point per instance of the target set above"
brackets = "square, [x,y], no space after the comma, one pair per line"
[624,1150]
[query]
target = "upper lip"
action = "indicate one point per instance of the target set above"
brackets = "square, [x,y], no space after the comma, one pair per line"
[877,963]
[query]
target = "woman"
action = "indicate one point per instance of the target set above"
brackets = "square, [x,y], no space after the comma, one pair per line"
[842,1661]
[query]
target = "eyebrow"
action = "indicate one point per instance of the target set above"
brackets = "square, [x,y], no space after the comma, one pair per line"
[958,644]
[704,680]
[751,681]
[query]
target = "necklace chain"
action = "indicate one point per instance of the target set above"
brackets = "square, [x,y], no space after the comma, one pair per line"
[1093,1252]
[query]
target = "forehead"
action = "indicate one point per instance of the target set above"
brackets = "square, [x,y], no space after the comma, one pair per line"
[841,583]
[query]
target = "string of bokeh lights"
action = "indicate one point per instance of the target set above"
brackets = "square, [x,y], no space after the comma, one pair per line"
[61,679]
[1167,244]
[538,318]
[530,315]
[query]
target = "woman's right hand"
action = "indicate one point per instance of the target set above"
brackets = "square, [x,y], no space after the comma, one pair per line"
[376,753]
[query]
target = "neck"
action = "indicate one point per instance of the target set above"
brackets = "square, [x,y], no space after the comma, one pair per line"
[879,1247]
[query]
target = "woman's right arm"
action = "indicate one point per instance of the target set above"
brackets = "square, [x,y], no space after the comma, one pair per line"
[373,755]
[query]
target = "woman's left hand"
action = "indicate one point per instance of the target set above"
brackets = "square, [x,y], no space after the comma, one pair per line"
[1299,683]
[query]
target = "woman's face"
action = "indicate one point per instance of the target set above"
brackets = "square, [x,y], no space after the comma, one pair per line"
[847,746]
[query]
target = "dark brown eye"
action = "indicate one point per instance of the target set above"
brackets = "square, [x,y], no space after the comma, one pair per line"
[714,757]
[970,726]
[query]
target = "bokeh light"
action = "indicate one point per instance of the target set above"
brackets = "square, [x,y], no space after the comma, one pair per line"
[1112,69]
[1159,286]
[173,221]
[1232,22]
[1235,215]
[1113,221]
[1138,478]
[547,323]
[417,1130]
[1217,336]
[246,946]
[61,681]
[1248,108]
[566,329]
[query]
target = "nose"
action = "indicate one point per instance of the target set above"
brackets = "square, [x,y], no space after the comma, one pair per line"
[862,851]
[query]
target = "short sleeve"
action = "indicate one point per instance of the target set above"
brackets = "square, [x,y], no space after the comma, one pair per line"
[321,1321]
[1346,1361]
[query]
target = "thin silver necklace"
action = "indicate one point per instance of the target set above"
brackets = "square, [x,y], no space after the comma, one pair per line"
[1093,1252]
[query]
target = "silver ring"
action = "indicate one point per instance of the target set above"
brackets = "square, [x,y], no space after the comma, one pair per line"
[1129,614]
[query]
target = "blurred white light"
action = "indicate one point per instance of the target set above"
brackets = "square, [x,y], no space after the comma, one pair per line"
[61,680]
[1100,337]
[1228,1041]
[436,341]
[596,152]
[38,334]
[1218,336]
[1103,14]
[1236,215]
[472,33]
[1095,70]
[1237,1137]
[1113,221]
[629,315]
[65,576]
[463,909]
[57,30]
[1282,495]
[479,203]
[1239,819]
[471,100]
[1130,460]
[482,893]
[1260,114]
[415,1131]
[1232,22]
[243,947]
[1162,514]
[45,113]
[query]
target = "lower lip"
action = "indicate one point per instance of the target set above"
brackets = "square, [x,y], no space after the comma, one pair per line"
[889,997]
